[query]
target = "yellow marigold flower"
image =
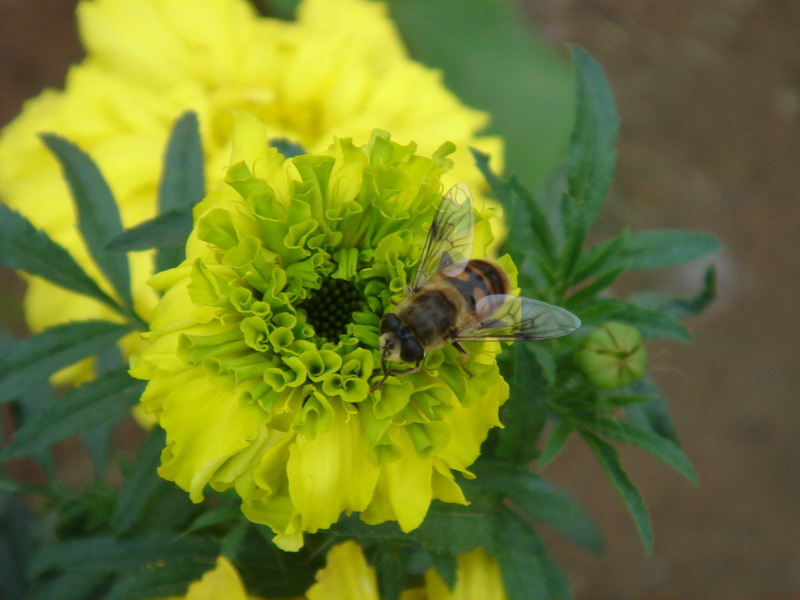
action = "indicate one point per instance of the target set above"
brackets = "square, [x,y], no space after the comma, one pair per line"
[264,346]
[340,69]
[347,576]
[220,583]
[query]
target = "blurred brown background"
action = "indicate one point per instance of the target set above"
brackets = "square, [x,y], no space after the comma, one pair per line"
[709,97]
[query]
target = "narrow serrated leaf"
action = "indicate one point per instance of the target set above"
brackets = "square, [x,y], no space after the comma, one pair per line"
[28,249]
[183,181]
[592,151]
[662,448]
[214,517]
[590,290]
[527,567]
[680,307]
[609,460]
[651,324]
[665,248]
[528,225]
[105,399]
[654,415]
[390,562]
[164,231]
[627,400]
[525,412]
[140,484]
[103,554]
[452,529]
[555,443]
[39,356]
[597,259]
[446,566]
[98,216]
[71,586]
[539,500]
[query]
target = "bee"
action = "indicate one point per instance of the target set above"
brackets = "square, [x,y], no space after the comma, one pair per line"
[455,298]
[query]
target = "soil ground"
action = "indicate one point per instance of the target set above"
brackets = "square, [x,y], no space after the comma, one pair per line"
[709,97]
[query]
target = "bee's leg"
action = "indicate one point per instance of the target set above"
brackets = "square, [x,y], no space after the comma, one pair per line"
[390,372]
[460,348]
[465,354]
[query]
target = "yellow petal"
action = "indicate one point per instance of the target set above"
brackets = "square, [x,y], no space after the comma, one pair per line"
[221,582]
[404,490]
[331,473]
[478,578]
[346,576]
[205,426]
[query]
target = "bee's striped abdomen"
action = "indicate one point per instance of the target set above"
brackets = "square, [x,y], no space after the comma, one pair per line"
[478,279]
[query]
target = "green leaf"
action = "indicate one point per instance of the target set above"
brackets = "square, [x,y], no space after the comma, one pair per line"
[72,586]
[183,181]
[528,226]
[626,400]
[539,500]
[103,554]
[651,324]
[37,357]
[159,580]
[665,248]
[591,290]
[140,484]
[446,566]
[592,151]
[600,258]
[680,307]
[97,440]
[105,399]
[452,529]
[525,412]
[391,561]
[98,215]
[214,517]
[527,567]
[169,230]
[232,541]
[609,460]
[24,247]
[17,544]
[555,443]
[530,97]
[654,415]
[286,147]
[662,448]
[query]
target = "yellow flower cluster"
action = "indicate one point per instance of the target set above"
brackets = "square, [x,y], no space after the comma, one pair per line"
[264,346]
[340,69]
[347,576]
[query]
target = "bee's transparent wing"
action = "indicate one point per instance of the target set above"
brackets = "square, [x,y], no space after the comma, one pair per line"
[449,242]
[510,318]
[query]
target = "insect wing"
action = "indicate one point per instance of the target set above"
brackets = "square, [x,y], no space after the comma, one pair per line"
[449,242]
[504,317]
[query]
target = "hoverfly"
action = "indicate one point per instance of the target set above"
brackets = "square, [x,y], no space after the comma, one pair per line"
[455,298]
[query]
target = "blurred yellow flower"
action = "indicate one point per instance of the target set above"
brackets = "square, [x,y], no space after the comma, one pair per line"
[220,583]
[347,576]
[262,351]
[340,69]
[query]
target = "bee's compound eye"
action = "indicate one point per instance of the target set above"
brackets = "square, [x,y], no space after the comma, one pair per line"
[411,352]
[389,322]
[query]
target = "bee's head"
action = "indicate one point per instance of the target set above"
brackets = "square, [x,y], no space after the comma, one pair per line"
[396,342]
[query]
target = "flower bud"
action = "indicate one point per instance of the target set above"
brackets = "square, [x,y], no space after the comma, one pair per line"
[612,356]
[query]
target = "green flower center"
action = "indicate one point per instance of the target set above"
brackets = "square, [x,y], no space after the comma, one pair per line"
[329,310]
